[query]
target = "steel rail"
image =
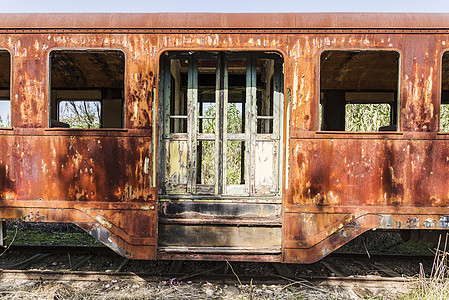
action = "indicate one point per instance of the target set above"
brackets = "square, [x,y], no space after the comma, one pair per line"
[104,249]
[359,281]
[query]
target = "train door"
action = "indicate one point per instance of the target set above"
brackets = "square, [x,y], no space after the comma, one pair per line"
[219,179]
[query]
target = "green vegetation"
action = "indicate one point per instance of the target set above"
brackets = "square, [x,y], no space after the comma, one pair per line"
[444,118]
[366,117]
[80,114]
[234,148]
[383,242]
[24,234]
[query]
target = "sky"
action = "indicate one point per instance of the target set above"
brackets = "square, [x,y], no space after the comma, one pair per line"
[44,6]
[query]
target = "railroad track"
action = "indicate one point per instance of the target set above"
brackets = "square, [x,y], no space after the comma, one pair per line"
[99,271]
[317,281]
[332,272]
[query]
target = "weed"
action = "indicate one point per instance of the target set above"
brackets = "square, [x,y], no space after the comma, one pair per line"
[436,285]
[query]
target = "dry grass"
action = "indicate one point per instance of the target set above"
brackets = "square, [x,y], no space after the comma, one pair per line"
[434,286]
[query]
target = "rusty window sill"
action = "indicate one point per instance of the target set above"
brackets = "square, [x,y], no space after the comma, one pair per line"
[86,129]
[361,132]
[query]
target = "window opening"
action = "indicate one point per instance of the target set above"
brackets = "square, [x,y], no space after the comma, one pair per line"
[229,104]
[87,88]
[444,108]
[5,82]
[359,90]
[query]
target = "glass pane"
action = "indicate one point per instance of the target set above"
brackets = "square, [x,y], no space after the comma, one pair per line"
[264,168]
[206,163]
[178,95]
[367,117]
[80,114]
[235,162]
[5,113]
[236,95]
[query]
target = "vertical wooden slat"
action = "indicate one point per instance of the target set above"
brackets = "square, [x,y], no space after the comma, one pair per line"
[251,97]
[200,143]
[277,121]
[192,98]
[167,95]
[243,150]
[222,93]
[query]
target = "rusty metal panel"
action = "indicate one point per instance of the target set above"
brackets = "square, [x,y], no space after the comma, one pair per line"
[226,20]
[297,252]
[51,169]
[333,172]
[379,171]
[75,167]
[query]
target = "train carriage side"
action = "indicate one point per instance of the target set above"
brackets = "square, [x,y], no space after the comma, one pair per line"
[215,136]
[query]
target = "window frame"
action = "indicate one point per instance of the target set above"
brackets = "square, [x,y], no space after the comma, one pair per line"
[394,109]
[55,109]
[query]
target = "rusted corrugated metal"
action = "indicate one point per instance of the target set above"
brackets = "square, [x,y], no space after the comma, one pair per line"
[336,185]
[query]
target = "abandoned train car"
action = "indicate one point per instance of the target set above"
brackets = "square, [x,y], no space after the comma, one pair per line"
[225,136]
